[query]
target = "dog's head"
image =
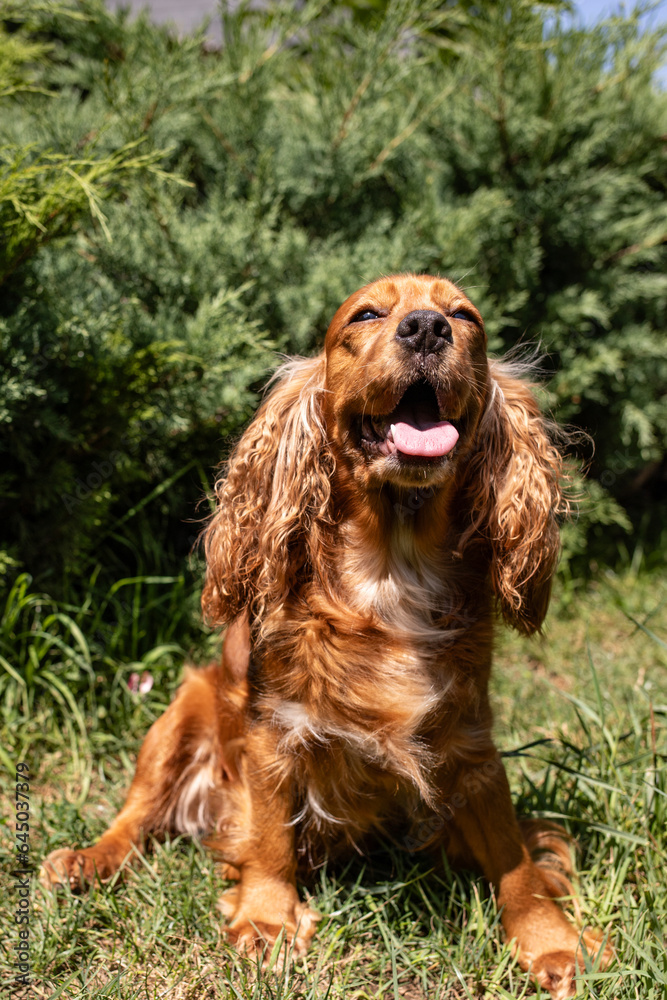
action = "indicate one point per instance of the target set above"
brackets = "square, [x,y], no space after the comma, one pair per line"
[402,397]
[406,380]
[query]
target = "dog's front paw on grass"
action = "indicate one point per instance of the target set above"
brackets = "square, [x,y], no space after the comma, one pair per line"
[556,971]
[77,869]
[254,933]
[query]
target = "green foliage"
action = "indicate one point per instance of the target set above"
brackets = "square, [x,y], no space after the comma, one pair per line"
[174,218]
[41,194]
[77,660]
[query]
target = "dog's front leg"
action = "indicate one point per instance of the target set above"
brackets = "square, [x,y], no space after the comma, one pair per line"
[260,843]
[480,823]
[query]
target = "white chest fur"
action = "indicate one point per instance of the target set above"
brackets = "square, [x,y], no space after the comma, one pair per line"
[399,583]
[400,682]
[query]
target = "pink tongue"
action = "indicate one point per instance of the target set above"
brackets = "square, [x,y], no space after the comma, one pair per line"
[432,442]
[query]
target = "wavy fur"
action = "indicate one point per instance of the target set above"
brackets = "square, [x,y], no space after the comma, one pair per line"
[515,487]
[274,501]
[388,493]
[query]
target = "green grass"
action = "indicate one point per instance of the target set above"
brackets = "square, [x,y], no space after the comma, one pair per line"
[592,692]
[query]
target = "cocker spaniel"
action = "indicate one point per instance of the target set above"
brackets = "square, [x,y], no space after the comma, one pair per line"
[388,496]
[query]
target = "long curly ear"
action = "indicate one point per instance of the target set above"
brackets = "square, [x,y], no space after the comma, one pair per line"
[514,480]
[273,502]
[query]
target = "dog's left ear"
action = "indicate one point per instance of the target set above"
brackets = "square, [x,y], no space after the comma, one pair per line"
[514,481]
[273,510]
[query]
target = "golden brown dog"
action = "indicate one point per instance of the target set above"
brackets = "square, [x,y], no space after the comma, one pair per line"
[387,495]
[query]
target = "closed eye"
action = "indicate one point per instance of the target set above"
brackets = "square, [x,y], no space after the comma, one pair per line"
[364,316]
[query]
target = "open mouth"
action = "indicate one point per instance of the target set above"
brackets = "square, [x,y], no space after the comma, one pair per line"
[414,427]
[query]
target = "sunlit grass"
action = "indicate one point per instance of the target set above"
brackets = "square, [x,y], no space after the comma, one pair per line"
[580,715]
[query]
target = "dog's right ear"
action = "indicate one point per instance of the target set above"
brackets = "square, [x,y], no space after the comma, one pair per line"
[515,487]
[273,502]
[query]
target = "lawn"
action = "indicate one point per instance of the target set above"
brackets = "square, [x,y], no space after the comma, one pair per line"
[580,716]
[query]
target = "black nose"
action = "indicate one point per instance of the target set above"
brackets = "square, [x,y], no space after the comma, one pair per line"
[424,331]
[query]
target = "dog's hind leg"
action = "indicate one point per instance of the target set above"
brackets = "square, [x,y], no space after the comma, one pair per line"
[186,759]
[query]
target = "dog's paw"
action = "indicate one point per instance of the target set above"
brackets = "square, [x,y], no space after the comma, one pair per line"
[556,971]
[254,935]
[77,869]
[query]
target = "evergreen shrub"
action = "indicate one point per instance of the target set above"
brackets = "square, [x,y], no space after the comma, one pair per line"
[174,218]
